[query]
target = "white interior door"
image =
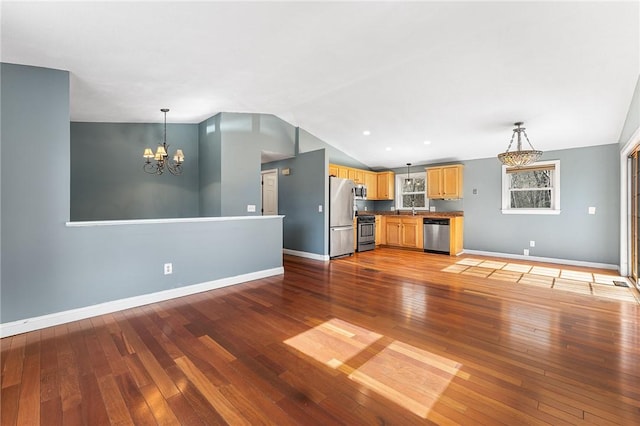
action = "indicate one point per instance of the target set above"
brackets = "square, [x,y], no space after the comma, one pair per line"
[270,192]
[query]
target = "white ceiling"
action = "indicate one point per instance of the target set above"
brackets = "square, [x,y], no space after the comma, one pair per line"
[456,74]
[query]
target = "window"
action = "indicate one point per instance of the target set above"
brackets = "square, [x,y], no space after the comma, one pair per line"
[414,190]
[533,189]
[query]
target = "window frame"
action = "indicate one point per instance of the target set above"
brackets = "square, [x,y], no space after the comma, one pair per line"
[555,191]
[398,196]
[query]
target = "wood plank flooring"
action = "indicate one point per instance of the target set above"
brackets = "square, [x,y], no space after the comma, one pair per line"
[387,337]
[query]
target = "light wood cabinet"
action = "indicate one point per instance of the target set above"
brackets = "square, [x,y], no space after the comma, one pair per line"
[403,231]
[380,185]
[456,228]
[386,185]
[379,230]
[357,176]
[393,231]
[371,182]
[445,182]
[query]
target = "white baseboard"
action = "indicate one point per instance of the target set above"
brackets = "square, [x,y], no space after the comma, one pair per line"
[49,320]
[543,259]
[308,255]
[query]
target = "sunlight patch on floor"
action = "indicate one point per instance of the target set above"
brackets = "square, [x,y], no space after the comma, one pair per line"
[411,377]
[580,282]
[333,342]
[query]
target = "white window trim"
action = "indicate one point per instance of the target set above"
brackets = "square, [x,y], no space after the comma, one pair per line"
[556,192]
[397,201]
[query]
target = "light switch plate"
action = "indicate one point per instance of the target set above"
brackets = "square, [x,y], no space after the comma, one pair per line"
[319,208]
[592,210]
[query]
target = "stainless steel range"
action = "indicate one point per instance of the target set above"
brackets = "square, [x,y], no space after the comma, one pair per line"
[366,232]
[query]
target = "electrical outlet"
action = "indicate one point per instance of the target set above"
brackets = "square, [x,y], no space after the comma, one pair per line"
[592,210]
[532,243]
[319,208]
[168,268]
[432,208]
[526,252]
[251,208]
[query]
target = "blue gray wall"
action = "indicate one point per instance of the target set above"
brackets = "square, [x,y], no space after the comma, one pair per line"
[589,177]
[299,196]
[47,267]
[221,172]
[209,160]
[244,137]
[107,179]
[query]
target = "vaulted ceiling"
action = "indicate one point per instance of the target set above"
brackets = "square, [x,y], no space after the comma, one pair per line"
[454,74]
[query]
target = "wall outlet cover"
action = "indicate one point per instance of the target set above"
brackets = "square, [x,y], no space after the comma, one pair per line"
[251,208]
[532,243]
[168,268]
[526,252]
[432,208]
[319,208]
[592,210]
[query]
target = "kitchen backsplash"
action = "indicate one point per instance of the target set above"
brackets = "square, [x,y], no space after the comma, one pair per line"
[383,206]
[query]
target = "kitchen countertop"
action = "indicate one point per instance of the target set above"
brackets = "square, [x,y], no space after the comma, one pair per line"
[418,213]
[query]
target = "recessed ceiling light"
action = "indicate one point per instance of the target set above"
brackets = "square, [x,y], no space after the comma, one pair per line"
[366,133]
[427,142]
[388,148]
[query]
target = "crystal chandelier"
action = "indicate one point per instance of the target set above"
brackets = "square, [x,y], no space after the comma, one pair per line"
[519,158]
[161,159]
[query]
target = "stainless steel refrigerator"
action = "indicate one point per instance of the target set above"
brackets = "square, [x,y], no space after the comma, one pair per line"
[340,216]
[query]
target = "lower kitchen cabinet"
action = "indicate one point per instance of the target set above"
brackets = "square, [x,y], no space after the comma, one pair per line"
[403,231]
[379,231]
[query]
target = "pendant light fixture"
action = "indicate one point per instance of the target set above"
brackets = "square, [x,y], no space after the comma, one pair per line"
[408,179]
[161,160]
[519,158]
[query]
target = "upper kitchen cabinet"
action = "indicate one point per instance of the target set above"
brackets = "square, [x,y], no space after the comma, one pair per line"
[444,182]
[380,185]
[386,185]
[371,182]
[340,171]
[357,176]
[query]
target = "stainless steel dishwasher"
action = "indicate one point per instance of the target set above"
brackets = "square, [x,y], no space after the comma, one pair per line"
[436,235]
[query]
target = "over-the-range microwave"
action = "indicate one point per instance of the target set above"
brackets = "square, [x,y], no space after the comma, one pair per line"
[360,192]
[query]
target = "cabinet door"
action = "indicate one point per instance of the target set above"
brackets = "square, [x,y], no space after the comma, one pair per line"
[371,182]
[378,230]
[410,233]
[355,234]
[343,172]
[434,179]
[393,229]
[452,182]
[386,186]
[333,170]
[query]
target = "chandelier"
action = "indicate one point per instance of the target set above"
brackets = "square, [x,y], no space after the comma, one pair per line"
[161,160]
[519,158]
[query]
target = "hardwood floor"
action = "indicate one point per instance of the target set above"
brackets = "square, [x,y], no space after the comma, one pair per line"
[388,337]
